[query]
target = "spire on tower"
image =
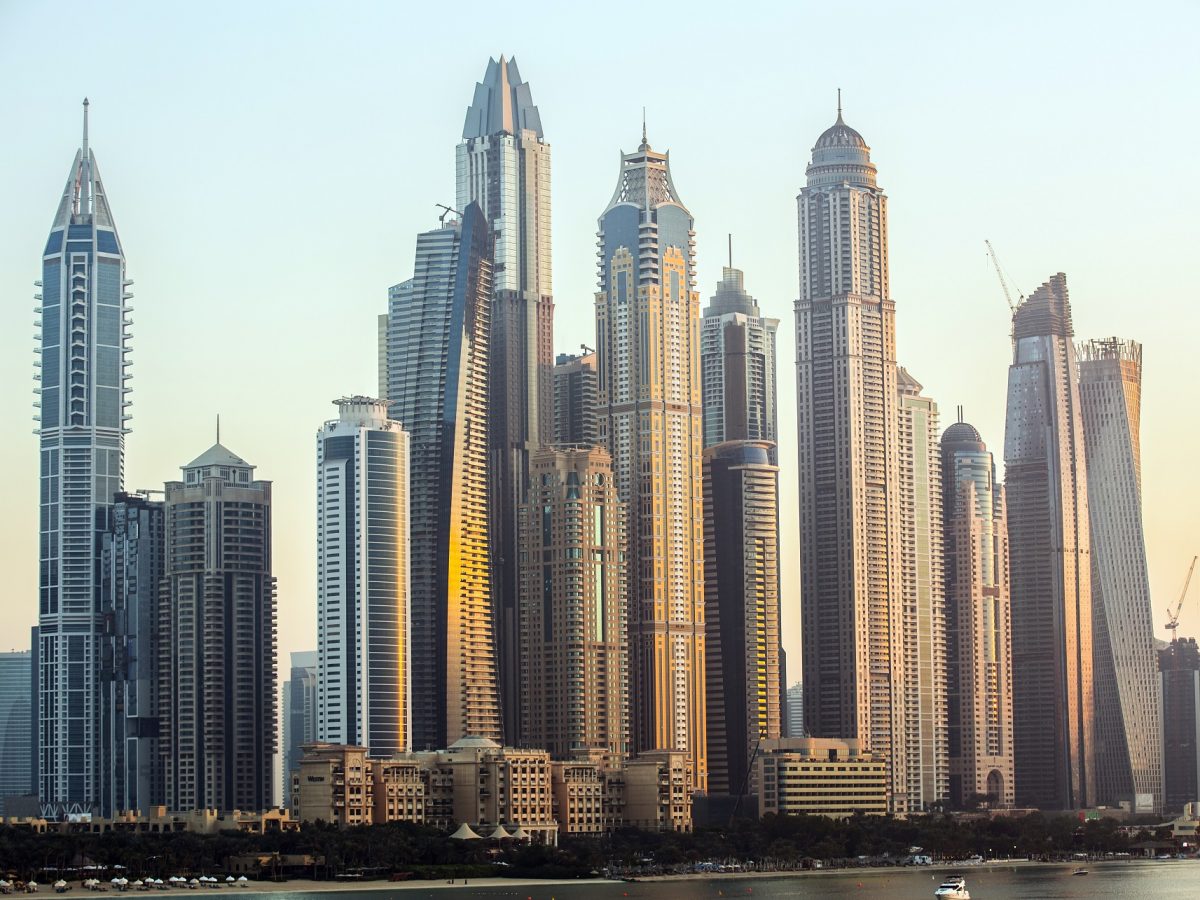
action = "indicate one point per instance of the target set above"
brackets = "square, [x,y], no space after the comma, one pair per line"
[85,127]
[839,118]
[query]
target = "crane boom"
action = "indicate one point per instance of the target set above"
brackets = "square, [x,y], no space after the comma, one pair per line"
[1173,614]
[1004,280]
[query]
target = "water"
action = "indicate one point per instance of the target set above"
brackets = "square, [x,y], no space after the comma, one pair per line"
[1161,880]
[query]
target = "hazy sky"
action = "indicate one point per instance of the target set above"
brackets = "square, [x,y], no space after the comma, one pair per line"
[269,165]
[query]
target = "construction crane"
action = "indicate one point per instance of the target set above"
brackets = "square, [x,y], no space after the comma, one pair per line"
[1005,281]
[1173,614]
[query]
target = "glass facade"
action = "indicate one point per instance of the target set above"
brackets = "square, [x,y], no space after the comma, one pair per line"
[82,372]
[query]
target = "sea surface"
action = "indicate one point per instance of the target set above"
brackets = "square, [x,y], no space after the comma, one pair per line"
[1160,880]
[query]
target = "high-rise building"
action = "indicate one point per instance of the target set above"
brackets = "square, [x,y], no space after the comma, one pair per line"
[576,400]
[922,595]
[647,328]
[741,609]
[1050,553]
[503,164]
[574,669]
[299,716]
[846,397]
[132,561]
[795,710]
[1179,663]
[362,580]
[82,398]
[438,391]
[1128,702]
[216,659]
[15,721]
[978,622]
[737,366]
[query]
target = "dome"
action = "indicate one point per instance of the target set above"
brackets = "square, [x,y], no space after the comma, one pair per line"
[840,135]
[473,742]
[962,433]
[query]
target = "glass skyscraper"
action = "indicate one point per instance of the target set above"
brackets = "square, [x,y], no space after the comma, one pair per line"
[503,164]
[1054,735]
[1128,695]
[132,569]
[438,391]
[82,387]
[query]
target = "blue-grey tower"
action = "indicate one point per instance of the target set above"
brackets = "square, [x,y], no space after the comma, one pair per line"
[83,418]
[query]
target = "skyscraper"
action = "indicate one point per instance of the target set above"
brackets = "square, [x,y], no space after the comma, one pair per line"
[362,580]
[503,164]
[846,396]
[131,571]
[1050,552]
[576,413]
[15,721]
[1128,700]
[438,392]
[737,362]
[741,608]
[978,621]
[1179,663]
[922,594]
[647,329]
[216,658]
[82,387]
[299,716]
[573,606]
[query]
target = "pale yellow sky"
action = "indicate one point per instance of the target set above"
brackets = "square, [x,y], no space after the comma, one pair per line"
[270,165]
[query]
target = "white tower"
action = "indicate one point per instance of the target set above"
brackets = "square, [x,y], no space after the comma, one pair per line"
[363,693]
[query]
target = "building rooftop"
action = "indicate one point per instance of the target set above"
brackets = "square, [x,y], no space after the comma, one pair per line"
[217,455]
[502,103]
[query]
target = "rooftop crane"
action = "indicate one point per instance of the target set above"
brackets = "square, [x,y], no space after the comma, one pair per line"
[1173,614]
[1005,281]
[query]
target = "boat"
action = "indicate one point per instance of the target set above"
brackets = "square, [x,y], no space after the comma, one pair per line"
[1080,870]
[953,887]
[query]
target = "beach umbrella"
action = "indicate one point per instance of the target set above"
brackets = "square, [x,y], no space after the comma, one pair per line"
[464,833]
[499,834]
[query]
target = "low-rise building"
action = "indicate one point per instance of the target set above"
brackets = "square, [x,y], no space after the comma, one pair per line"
[333,784]
[400,791]
[820,776]
[482,784]
[656,791]
[478,783]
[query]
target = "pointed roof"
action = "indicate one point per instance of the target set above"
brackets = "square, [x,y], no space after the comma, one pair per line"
[218,455]
[731,296]
[464,833]
[502,103]
[84,201]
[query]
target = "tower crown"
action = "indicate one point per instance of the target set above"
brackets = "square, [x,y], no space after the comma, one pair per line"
[841,155]
[502,103]
[645,179]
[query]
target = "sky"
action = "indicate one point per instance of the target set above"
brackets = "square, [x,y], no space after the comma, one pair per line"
[270,164]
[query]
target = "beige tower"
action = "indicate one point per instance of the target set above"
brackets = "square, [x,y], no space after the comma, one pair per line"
[979,627]
[923,596]
[647,332]
[574,678]
[846,396]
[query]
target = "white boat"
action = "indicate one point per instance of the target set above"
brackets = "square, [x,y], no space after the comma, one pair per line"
[954,887]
